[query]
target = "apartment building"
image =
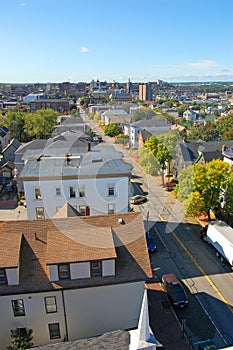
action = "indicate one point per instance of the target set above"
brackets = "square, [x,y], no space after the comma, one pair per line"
[94,180]
[72,278]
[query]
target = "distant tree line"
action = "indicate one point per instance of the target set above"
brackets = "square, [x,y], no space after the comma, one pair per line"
[26,126]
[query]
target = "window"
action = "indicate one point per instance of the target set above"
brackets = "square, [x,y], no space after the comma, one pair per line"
[3,279]
[50,304]
[82,209]
[64,271]
[96,268]
[18,307]
[111,208]
[54,331]
[37,193]
[111,190]
[72,192]
[40,213]
[58,191]
[82,191]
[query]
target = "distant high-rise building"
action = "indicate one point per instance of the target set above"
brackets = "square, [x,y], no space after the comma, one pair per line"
[128,86]
[145,92]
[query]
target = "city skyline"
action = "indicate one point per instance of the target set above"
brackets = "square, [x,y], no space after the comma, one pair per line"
[70,40]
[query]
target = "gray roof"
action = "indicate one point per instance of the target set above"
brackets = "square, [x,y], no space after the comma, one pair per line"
[210,150]
[69,141]
[118,340]
[151,123]
[101,160]
[35,144]
[72,120]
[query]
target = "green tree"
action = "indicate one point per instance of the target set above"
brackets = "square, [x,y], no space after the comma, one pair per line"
[112,129]
[170,140]
[151,144]
[97,117]
[21,339]
[228,135]
[41,123]
[224,124]
[206,132]
[15,121]
[164,157]
[227,201]
[148,162]
[205,182]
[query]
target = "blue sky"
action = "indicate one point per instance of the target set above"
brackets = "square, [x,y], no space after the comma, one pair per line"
[146,40]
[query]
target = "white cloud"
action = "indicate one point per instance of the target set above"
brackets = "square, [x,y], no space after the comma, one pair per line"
[22,4]
[84,49]
[202,64]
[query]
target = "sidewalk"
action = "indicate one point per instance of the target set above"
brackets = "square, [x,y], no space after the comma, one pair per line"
[163,321]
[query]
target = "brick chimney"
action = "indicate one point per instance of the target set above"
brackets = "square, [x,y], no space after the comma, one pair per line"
[224,148]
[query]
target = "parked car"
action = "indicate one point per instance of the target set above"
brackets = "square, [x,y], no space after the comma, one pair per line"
[174,290]
[150,243]
[137,199]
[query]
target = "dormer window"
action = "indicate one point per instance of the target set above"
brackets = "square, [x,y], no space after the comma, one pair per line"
[64,271]
[3,278]
[96,268]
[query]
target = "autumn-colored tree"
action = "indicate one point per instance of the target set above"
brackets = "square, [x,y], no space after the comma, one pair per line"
[201,187]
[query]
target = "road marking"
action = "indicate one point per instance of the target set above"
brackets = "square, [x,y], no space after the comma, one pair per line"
[213,285]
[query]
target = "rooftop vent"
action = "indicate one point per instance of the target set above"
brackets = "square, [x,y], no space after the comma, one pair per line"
[96,159]
[121,221]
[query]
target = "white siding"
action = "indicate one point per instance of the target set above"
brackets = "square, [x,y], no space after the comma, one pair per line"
[97,310]
[80,270]
[96,195]
[89,312]
[53,273]
[35,317]
[108,267]
[12,276]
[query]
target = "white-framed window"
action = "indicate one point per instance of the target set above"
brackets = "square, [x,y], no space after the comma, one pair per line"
[82,209]
[111,208]
[40,213]
[58,191]
[81,191]
[72,192]
[111,190]
[96,268]
[64,271]
[50,304]
[18,307]
[54,331]
[37,193]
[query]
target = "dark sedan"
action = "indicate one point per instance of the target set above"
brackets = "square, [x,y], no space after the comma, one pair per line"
[174,290]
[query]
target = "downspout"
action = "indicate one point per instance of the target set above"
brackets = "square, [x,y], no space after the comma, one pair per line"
[65,318]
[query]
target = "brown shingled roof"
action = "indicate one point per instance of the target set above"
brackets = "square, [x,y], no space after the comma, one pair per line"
[82,243]
[9,257]
[51,241]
